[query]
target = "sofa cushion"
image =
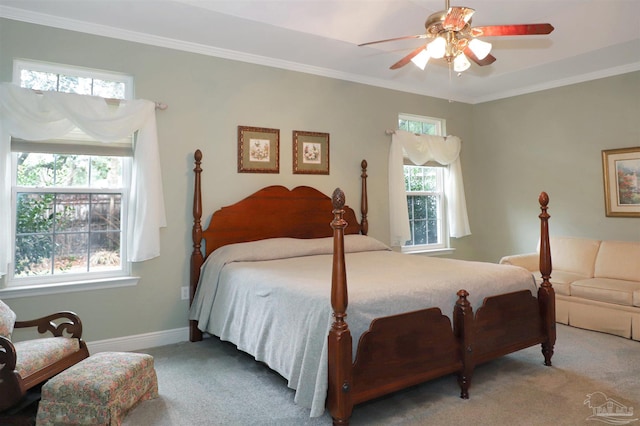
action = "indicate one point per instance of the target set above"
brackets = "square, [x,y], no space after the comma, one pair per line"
[636,301]
[619,260]
[33,355]
[561,280]
[7,320]
[607,290]
[575,255]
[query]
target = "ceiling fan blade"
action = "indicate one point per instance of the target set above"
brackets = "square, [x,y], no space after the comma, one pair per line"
[457,18]
[509,30]
[487,60]
[394,39]
[404,61]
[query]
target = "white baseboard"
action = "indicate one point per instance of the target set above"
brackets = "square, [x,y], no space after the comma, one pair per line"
[140,341]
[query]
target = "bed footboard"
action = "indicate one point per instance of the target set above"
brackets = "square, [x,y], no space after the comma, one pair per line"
[404,350]
[506,323]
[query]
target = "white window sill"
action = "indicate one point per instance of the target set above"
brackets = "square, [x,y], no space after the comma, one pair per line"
[428,252]
[67,287]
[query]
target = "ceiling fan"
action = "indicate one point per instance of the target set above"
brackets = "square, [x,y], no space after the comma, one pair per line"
[452,37]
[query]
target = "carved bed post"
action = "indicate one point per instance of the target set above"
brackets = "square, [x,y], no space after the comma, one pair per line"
[364,200]
[546,293]
[463,330]
[195,335]
[339,400]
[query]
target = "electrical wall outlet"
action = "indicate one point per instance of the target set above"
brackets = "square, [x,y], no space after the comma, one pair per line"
[184,294]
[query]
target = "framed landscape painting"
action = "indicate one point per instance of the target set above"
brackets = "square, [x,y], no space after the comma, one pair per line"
[310,153]
[621,170]
[258,150]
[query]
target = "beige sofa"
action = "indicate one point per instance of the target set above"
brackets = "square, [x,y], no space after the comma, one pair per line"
[597,283]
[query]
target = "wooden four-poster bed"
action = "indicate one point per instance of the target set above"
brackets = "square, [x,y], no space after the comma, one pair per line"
[398,340]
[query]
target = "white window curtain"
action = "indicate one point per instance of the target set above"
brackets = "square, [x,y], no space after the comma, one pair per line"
[420,150]
[28,115]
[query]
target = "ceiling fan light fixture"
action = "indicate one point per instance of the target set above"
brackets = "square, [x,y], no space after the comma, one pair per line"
[461,63]
[421,59]
[480,48]
[437,48]
[449,33]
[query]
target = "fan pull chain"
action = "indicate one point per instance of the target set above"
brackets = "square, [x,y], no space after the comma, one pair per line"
[450,82]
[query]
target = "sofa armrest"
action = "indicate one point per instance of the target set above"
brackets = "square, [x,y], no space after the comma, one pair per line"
[7,355]
[529,261]
[56,324]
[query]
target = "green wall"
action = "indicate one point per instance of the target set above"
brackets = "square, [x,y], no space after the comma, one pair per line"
[512,149]
[549,141]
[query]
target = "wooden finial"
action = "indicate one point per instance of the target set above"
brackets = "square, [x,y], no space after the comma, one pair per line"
[338,199]
[543,199]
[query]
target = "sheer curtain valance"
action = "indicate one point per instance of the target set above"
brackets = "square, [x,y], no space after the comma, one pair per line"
[28,115]
[421,149]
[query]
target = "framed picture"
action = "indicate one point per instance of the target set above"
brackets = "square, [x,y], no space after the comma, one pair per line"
[310,153]
[621,169]
[258,150]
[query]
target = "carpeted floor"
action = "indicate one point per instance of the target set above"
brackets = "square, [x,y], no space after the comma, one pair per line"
[212,383]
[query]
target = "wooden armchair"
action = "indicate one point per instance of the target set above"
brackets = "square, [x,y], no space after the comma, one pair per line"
[26,364]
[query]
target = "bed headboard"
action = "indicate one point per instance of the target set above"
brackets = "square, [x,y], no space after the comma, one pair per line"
[272,212]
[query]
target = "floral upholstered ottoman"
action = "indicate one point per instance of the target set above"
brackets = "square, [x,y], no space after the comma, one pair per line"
[98,391]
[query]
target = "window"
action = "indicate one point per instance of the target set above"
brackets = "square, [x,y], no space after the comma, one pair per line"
[61,78]
[69,196]
[425,191]
[425,201]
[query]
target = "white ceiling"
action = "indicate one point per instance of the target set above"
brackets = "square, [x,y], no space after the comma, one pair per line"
[592,38]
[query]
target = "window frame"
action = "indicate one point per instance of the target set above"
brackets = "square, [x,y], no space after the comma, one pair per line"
[443,246]
[65,282]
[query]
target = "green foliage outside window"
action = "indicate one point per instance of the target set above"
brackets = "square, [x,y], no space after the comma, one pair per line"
[66,231]
[34,242]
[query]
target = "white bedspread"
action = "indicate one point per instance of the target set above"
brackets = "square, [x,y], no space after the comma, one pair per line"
[272,299]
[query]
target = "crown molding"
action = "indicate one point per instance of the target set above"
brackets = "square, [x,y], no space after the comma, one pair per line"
[609,72]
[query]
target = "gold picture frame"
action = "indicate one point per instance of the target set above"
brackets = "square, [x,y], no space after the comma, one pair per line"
[310,153]
[621,171]
[258,150]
